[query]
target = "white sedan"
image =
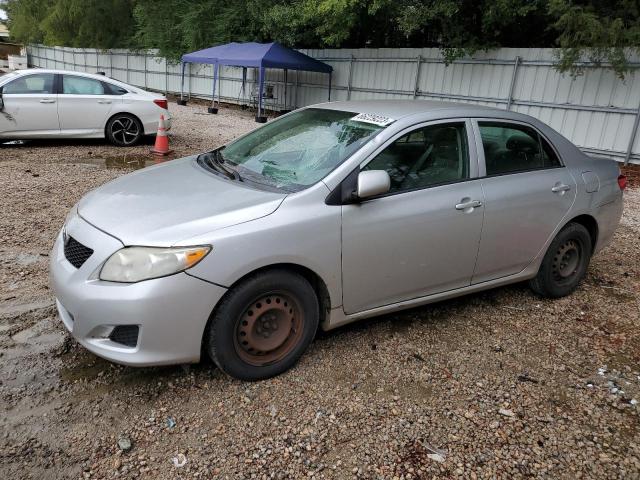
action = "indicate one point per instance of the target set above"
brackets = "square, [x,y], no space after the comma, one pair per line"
[40,103]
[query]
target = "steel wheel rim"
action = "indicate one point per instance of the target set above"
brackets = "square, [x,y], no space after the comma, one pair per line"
[125,130]
[566,261]
[269,329]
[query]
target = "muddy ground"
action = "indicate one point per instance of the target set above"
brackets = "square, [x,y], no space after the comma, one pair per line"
[499,384]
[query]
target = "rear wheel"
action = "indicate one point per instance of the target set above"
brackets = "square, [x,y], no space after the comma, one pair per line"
[124,130]
[565,263]
[263,325]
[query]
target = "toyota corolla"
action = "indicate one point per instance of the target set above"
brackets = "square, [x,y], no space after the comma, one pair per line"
[327,215]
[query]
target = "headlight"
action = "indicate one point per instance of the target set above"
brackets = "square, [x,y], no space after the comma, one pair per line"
[133,264]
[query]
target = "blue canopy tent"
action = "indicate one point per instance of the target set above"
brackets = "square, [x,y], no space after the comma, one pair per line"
[252,55]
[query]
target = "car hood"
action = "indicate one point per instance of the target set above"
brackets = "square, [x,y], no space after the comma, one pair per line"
[167,203]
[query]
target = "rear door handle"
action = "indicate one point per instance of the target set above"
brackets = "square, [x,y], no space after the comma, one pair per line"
[47,100]
[471,204]
[104,101]
[560,188]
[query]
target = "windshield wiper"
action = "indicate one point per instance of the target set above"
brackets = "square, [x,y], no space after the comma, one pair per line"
[216,161]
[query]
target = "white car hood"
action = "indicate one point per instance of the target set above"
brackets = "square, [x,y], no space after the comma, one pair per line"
[177,200]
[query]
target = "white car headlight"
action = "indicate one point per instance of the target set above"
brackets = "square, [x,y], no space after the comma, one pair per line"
[133,264]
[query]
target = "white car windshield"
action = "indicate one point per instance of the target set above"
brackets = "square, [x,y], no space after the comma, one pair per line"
[7,77]
[300,149]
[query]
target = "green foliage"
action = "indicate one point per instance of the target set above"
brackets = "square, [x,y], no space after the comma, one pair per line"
[97,23]
[25,19]
[596,30]
[178,26]
[74,23]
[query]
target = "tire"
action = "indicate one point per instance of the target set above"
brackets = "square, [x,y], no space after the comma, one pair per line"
[565,263]
[124,130]
[263,325]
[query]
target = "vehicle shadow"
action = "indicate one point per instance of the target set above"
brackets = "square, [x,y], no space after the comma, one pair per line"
[82,366]
[401,320]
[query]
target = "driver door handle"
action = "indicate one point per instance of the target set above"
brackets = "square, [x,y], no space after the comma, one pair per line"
[560,188]
[104,101]
[47,100]
[469,204]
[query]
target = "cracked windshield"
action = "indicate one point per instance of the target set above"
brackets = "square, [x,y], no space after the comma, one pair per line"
[301,148]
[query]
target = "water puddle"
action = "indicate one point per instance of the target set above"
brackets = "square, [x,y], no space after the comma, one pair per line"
[132,161]
[128,161]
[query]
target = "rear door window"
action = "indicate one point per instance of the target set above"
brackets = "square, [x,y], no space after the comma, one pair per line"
[73,85]
[511,148]
[41,83]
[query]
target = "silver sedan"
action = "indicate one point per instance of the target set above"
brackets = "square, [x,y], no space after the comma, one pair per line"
[327,215]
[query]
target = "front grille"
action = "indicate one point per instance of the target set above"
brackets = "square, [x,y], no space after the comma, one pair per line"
[125,334]
[76,253]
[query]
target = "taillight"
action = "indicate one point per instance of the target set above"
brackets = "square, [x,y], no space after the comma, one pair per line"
[162,104]
[622,181]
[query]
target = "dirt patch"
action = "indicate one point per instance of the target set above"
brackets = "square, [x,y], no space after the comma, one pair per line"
[497,384]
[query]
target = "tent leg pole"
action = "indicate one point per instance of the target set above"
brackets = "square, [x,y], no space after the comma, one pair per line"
[285,90]
[212,108]
[330,75]
[260,118]
[244,86]
[181,100]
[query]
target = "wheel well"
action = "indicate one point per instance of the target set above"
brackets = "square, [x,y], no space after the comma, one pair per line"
[590,223]
[123,113]
[318,285]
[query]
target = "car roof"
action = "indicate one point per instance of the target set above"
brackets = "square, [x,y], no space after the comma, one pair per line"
[398,109]
[69,72]
[103,78]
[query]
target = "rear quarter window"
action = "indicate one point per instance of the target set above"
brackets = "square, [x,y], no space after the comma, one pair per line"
[111,89]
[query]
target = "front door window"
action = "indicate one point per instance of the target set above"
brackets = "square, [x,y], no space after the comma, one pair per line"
[433,155]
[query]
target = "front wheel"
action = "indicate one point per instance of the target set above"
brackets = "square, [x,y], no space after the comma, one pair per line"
[263,325]
[565,263]
[124,130]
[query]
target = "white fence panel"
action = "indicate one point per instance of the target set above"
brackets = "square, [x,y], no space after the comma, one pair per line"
[595,110]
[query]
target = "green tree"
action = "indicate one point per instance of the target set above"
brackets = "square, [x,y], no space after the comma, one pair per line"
[596,30]
[89,23]
[25,19]
[178,26]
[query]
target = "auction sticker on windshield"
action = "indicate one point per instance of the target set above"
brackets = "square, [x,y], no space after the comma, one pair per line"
[373,118]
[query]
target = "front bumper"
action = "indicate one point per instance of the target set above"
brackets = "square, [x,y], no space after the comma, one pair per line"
[171,312]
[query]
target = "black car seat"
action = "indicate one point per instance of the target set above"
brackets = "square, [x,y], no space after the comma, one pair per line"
[522,154]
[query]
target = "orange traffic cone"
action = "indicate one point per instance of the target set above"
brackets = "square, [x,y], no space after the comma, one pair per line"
[161,146]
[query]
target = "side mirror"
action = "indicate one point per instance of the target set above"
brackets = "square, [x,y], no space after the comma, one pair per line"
[372,183]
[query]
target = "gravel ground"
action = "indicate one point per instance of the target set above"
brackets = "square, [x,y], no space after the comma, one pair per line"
[499,384]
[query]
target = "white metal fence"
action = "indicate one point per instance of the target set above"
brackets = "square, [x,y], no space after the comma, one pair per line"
[596,110]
